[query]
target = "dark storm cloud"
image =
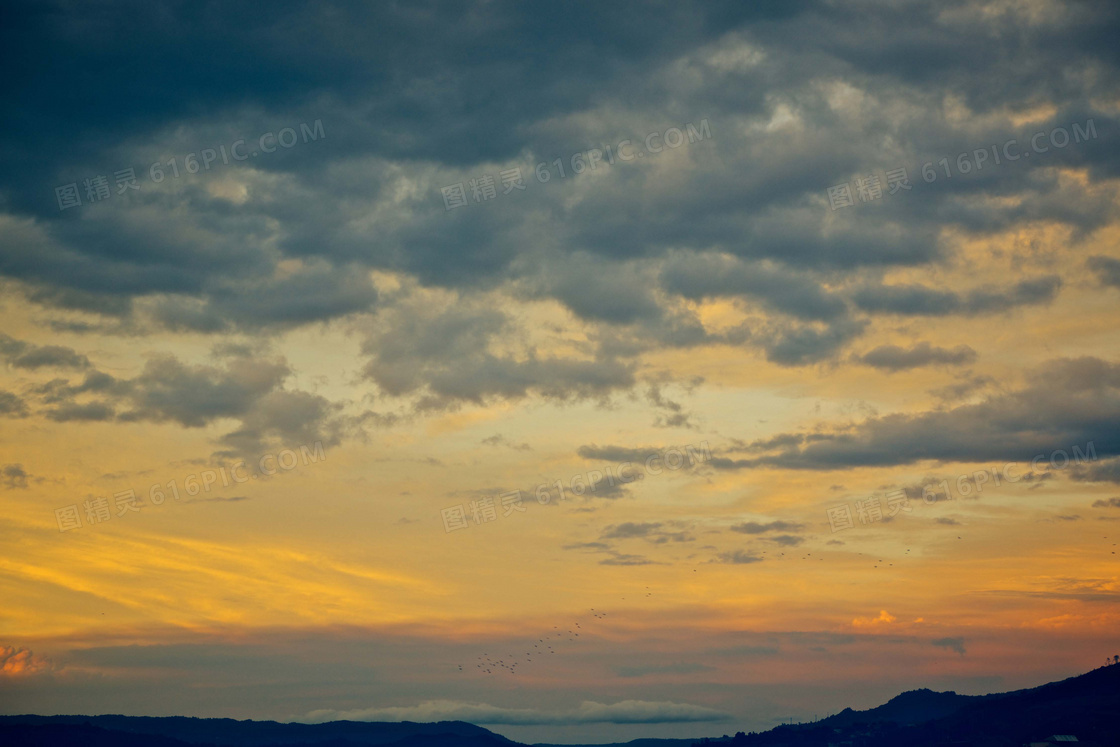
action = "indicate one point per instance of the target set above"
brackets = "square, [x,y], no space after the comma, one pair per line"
[1066,403]
[895,358]
[1110,503]
[301,53]
[415,98]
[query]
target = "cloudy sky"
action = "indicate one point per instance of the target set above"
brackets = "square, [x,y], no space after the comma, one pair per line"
[586,371]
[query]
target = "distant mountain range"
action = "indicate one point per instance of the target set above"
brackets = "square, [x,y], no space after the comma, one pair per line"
[1087,706]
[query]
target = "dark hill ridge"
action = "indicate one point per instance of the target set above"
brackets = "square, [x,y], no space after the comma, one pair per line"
[224,731]
[911,707]
[87,735]
[1087,706]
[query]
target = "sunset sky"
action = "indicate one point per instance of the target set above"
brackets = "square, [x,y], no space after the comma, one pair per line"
[871,417]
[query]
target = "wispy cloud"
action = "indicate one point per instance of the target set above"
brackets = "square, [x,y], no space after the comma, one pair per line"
[588,712]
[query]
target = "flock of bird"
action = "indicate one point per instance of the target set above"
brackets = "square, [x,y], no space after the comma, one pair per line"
[542,648]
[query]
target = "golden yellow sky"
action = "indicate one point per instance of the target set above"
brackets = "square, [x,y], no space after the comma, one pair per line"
[324,303]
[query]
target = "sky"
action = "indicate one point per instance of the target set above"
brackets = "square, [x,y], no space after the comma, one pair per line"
[585,371]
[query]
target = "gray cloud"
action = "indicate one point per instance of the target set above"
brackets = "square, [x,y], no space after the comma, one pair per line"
[651,531]
[754,527]
[895,358]
[250,390]
[1107,269]
[619,558]
[592,546]
[12,405]
[499,440]
[800,96]
[617,453]
[219,499]
[631,529]
[22,354]
[739,215]
[444,356]
[13,476]
[780,289]
[1106,470]
[318,293]
[738,557]
[916,300]
[791,344]
[953,644]
[81,412]
[1066,403]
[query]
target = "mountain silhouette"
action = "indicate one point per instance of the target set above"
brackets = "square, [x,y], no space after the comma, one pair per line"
[1087,706]
[911,707]
[181,731]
